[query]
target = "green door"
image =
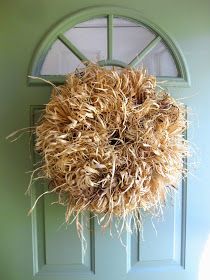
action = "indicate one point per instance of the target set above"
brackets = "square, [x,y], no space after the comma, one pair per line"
[49,39]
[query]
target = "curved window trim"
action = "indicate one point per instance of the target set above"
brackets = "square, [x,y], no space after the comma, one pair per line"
[107,11]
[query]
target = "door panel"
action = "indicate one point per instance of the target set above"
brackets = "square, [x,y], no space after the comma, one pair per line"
[57,249]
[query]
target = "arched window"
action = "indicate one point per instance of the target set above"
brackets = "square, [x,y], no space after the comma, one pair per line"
[108,36]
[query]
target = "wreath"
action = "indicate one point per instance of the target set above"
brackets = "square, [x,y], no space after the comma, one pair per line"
[112,143]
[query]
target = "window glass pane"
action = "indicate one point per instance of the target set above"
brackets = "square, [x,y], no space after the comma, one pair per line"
[159,62]
[90,38]
[129,39]
[59,60]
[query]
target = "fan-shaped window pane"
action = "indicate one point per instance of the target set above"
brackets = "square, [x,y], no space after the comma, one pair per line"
[59,60]
[129,39]
[90,38]
[159,62]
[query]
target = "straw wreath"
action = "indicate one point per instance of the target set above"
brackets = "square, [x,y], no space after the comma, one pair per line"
[111,143]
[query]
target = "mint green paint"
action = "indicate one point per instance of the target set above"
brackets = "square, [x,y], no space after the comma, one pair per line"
[23,25]
[112,62]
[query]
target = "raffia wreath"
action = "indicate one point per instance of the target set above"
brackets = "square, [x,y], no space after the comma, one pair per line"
[112,143]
